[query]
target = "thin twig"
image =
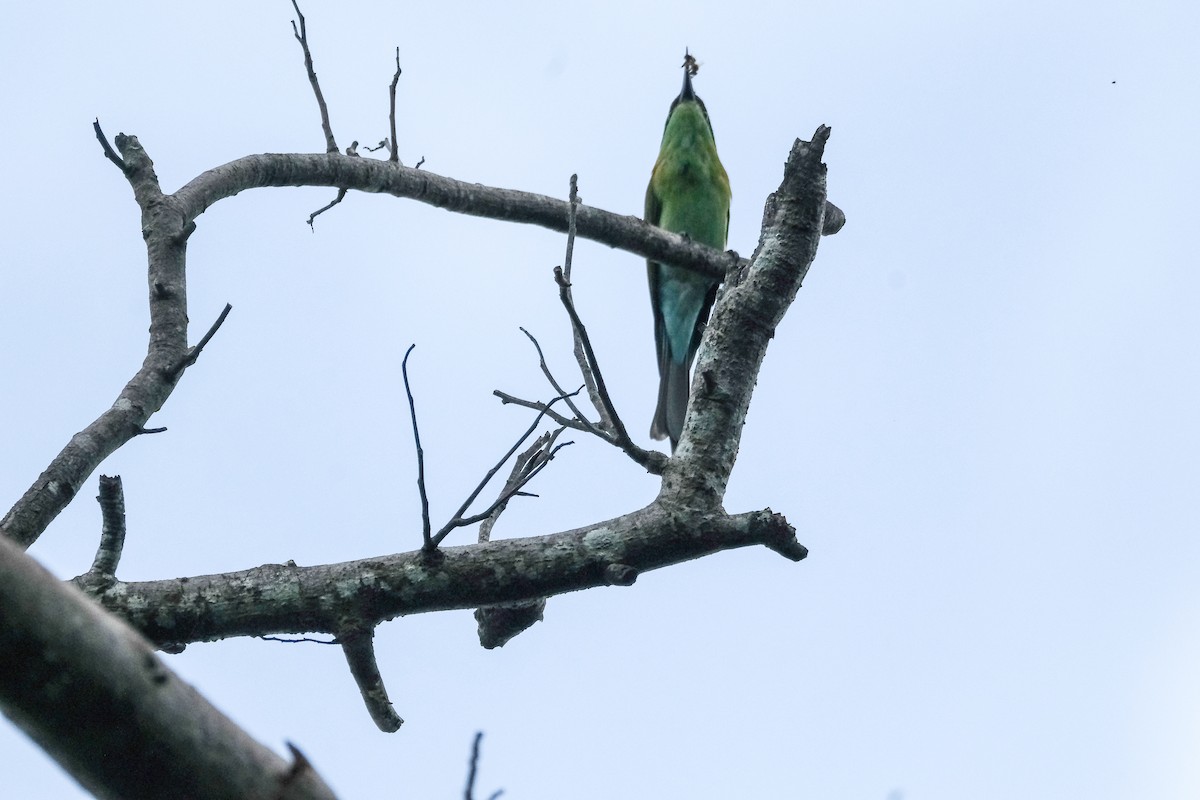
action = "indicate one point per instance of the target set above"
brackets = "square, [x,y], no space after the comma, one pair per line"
[193,353]
[542,443]
[341,195]
[412,412]
[579,415]
[607,409]
[109,153]
[469,794]
[395,154]
[301,35]
[537,405]
[458,521]
[540,458]
[359,648]
[573,199]
[589,379]
[298,640]
[498,624]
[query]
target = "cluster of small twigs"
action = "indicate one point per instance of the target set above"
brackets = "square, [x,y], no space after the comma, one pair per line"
[528,465]
[300,31]
[609,428]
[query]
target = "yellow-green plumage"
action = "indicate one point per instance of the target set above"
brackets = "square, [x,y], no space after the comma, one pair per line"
[688,194]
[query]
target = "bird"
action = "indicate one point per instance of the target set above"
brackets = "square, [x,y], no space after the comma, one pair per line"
[688,194]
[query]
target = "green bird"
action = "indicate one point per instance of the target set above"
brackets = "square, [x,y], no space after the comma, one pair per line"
[688,194]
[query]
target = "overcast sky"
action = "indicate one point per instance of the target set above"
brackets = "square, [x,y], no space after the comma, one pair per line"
[980,413]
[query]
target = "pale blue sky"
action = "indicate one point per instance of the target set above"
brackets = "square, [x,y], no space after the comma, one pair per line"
[979,414]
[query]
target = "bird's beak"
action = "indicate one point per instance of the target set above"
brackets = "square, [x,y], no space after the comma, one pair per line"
[686,93]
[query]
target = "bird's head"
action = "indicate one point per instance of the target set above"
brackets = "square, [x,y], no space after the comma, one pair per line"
[688,103]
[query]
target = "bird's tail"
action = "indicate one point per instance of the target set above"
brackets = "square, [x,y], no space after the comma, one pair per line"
[673,386]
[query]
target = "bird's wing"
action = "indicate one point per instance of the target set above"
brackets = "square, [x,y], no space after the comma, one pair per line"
[653,215]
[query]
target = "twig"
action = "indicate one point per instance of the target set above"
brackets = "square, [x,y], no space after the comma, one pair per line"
[652,461]
[469,794]
[572,209]
[579,415]
[395,154]
[298,640]
[589,379]
[341,195]
[536,456]
[109,153]
[301,35]
[112,530]
[498,624]
[537,405]
[359,648]
[458,520]
[412,412]
[193,353]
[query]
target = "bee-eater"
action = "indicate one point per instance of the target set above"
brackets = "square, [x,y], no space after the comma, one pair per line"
[688,194]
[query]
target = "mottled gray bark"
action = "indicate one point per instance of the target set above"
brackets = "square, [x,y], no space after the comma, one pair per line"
[92,692]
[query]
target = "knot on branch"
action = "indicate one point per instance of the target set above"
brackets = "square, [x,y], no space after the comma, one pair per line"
[620,575]
[498,624]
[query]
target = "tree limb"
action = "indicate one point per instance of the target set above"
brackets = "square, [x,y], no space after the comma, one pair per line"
[166,230]
[93,694]
[286,598]
[369,175]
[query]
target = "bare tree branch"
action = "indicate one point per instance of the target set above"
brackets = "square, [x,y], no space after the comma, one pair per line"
[359,648]
[537,405]
[620,437]
[289,599]
[165,228]
[412,413]
[458,520]
[109,153]
[112,535]
[473,765]
[498,624]
[749,306]
[581,421]
[394,155]
[369,175]
[589,379]
[302,37]
[193,353]
[341,195]
[92,693]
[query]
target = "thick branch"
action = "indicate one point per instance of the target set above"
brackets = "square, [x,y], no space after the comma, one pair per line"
[285,598]
[368,175]
[92,693]
[166,229]
[751,304]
